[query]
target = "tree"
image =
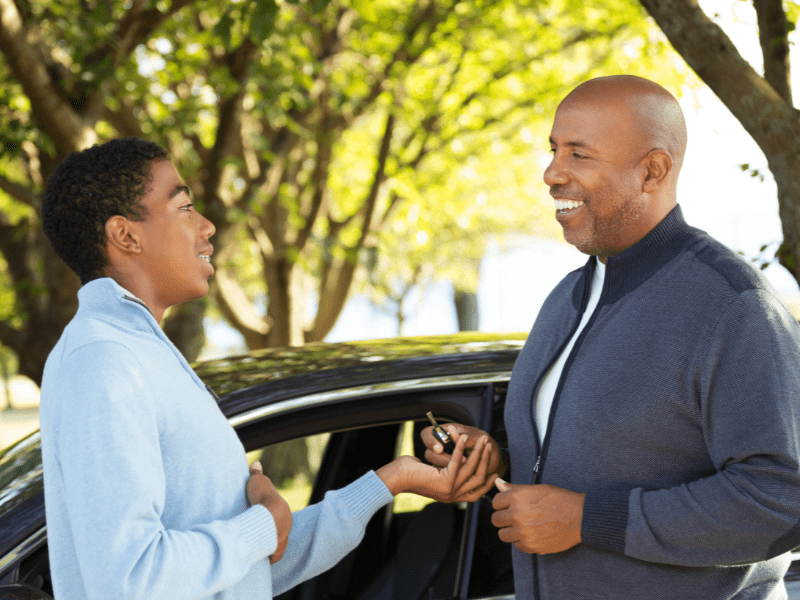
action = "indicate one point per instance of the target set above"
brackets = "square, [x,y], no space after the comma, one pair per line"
[762,102]
[303,129]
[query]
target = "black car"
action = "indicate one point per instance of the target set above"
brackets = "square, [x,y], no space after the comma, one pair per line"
[361,404]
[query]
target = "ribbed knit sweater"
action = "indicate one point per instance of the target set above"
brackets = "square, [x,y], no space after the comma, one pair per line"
[678,413]
[145,478]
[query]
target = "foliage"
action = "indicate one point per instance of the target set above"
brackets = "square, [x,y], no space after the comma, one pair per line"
[311,132]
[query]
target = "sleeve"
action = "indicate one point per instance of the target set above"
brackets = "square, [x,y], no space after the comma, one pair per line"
[324,533]
[108,447]
[747,380]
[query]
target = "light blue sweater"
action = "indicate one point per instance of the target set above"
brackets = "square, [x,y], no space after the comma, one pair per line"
[145,478]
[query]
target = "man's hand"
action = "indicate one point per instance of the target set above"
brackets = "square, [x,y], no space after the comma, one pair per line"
[435,452]
[460,480]
[261,491]
[538,519]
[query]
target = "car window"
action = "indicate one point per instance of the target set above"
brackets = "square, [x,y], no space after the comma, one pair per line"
[293,465]
[415,539]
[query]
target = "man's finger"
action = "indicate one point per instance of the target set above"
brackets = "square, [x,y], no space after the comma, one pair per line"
[256,467]
[507,534]
[470,467]
[503,499]
[454,464]
[476,468]
[502,485]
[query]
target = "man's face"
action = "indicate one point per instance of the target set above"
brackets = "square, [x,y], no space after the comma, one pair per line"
[596,176]
[174,240]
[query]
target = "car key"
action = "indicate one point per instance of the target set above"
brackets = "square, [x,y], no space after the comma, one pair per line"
[440,434]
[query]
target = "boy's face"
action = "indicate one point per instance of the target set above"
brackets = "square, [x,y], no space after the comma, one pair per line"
[175,250]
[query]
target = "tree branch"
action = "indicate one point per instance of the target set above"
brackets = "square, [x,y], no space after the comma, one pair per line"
[333,294]
[19,192]
[64,125]
[773,34]
[238,311]
[710,53]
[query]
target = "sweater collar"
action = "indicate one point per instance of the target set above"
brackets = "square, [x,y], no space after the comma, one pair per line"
[105,299]
[630,268]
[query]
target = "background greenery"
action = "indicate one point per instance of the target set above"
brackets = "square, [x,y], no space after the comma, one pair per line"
[336,145]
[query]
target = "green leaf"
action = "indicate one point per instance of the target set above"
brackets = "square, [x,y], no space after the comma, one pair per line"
[317,6]
[366,8]
[223,28]
[262,21]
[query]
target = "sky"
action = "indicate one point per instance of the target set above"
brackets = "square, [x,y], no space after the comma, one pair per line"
[715,194]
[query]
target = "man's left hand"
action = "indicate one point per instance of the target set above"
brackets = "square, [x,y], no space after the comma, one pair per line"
[538,519]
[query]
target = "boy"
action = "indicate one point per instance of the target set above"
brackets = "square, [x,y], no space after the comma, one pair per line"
[148,491]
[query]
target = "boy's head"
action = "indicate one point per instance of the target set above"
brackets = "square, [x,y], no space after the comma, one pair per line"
[87,189]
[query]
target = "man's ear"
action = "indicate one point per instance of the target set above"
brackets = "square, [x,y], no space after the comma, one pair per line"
[121,236]
[658,164]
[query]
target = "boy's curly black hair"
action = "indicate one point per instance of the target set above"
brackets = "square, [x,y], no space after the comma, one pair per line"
[87,189]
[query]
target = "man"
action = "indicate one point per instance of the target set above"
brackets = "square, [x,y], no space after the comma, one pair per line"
[653,415]
[148,493]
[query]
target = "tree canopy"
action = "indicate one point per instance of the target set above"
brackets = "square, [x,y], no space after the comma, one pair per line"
[318,136]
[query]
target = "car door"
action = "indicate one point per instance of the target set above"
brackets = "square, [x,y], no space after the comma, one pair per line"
[413,548]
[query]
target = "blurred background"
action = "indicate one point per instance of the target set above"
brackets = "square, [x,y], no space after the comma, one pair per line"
[373,167]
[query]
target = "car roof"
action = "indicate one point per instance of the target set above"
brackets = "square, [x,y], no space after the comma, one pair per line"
[267,376]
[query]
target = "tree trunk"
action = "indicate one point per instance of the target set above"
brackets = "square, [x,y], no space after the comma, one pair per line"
[184,328]
[466,310]
[283,310]
[760,106]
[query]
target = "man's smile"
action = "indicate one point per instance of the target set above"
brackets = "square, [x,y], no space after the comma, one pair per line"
[566,205]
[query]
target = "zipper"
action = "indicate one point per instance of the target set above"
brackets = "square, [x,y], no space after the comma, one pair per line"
[539,466]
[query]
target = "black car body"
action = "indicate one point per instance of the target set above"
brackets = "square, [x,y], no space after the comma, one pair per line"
[363,395]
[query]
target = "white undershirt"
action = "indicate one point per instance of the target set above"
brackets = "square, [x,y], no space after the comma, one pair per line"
[547,389]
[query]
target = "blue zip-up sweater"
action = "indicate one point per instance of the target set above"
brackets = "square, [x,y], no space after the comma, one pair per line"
[678,413]
[145,478]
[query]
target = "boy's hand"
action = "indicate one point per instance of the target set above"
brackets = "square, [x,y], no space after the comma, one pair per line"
[461,480]
[261,491]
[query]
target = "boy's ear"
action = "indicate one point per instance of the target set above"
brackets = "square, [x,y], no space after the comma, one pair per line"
[122,236]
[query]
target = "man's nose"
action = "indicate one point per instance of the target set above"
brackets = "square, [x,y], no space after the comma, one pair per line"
[555,173]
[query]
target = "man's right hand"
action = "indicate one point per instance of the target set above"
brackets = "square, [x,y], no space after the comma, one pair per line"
[435,452]
[261,491]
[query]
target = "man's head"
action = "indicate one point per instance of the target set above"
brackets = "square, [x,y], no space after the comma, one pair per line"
[618,145]
[87,189]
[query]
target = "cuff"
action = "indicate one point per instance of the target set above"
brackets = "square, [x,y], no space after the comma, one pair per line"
[605,518]
[365,496]
[258,531]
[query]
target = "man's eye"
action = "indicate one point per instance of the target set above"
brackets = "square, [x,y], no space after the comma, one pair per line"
[187,206]
[577,155]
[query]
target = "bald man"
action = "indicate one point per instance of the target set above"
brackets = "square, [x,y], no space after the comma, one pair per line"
[653,415]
